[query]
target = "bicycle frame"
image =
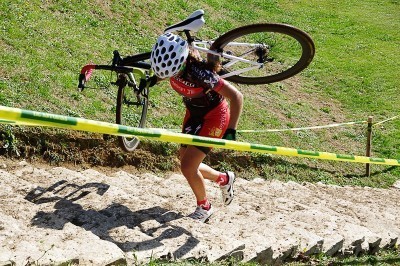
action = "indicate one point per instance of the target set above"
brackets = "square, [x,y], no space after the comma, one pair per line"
[234,59]
[237,59]
[197,45]
[88,69]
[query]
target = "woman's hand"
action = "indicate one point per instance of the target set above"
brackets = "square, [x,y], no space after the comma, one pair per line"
[230,134]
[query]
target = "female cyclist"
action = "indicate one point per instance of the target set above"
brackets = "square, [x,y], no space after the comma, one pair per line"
[207,114]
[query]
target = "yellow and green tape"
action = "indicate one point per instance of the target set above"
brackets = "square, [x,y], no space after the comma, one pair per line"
[15,116]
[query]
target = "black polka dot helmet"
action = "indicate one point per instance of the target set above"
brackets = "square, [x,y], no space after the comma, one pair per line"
[168,55]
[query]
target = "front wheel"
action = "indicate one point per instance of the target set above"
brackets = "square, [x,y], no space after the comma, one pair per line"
[280,50]
[131,111]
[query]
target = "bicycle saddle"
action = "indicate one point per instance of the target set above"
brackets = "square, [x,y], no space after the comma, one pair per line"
[193,23]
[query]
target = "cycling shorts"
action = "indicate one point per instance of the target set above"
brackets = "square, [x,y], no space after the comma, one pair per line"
[213,124]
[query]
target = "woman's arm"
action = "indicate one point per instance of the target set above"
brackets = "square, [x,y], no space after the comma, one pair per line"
[235,98]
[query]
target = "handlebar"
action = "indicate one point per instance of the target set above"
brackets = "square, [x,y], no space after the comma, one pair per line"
[84,76]
[119,65]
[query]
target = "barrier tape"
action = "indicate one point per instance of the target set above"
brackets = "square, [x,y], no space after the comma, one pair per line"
[286,129]
[378,123]
[7,122]
[303,128]
[33,118]
[16,123]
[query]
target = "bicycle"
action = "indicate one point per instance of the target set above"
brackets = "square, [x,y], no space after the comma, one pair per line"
[253,54]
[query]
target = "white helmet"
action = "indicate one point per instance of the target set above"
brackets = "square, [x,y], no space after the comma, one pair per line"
[168,55]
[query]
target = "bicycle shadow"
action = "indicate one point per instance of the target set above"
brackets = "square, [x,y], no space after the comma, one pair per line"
[102,222]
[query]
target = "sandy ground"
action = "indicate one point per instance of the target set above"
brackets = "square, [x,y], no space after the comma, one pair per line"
[53,215]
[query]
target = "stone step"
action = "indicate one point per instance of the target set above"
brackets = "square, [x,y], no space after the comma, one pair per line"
[59,215]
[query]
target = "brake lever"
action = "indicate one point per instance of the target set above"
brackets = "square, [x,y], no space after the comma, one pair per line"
[81,84]
[116,58]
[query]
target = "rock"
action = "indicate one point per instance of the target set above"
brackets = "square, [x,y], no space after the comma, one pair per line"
[60,216]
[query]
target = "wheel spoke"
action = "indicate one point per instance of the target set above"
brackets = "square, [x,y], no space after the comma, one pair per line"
[282,50]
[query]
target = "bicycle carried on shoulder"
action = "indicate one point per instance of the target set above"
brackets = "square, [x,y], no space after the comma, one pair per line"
[253,54]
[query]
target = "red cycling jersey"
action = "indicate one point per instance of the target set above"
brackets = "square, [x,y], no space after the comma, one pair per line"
[207,111]
[199,87]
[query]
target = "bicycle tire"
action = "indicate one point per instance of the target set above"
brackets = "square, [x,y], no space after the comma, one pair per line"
[139,115]
[292,34]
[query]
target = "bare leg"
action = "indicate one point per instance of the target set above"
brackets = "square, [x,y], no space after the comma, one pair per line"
[191,158]
[207,172]
[195,171]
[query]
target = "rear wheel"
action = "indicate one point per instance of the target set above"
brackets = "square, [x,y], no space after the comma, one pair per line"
[282,50]
[131,111]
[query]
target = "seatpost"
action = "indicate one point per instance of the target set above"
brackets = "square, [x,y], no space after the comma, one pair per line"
[189,37]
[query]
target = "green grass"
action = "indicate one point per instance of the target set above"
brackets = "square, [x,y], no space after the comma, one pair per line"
[384,258]
[354,75]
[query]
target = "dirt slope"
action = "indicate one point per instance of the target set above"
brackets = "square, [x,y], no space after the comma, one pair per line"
[53,215]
